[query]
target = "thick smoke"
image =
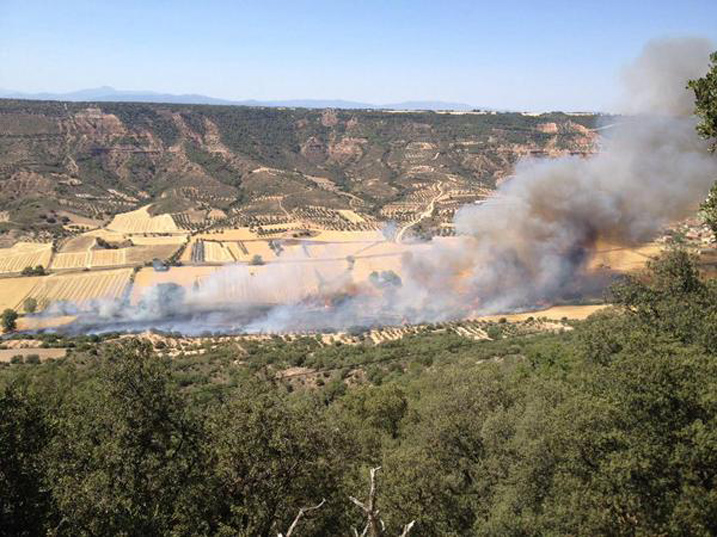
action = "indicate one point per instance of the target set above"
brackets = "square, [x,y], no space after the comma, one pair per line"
[526,246]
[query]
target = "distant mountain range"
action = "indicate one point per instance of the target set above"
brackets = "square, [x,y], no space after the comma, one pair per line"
[109,94]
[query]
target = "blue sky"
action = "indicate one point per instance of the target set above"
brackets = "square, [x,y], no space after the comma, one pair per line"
[532,55]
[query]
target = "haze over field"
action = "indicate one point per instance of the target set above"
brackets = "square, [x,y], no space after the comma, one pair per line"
[523,247]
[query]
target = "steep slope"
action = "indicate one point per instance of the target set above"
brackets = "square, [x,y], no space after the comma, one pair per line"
[94,160]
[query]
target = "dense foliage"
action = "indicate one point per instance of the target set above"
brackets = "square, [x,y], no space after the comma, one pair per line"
[610,428]
[705,89]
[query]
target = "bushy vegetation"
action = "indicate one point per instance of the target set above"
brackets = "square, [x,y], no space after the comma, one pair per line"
[610,428]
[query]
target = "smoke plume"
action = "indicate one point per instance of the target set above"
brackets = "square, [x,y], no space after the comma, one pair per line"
[525,246]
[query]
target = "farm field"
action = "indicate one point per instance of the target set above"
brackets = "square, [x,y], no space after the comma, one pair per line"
[554,313]
[109,258]
[14,290]
[80,288]
[140,221]
[236,234]
[25,254]
[71,260]
[184,276]
[80,243]
[624,259]
[155,240]
[217,252]
[351,216]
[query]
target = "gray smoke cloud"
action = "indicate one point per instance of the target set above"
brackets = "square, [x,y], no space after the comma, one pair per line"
[528,245]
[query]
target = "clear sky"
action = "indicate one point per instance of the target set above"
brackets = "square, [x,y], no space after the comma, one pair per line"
[517,54]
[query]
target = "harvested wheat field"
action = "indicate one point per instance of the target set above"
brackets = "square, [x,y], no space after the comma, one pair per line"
[70,260]
[140,221]
[156,240]
[107,235]
[25,254]
[624,259]
[184,276]
[554,313]
[217,252]
[236,234]
[81,288]
[351,216]
[40,322]
[348,236]
[109,258]
[80,243]
[14,290]
[138,255]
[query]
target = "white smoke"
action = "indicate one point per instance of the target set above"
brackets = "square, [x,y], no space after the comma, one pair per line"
[525,246]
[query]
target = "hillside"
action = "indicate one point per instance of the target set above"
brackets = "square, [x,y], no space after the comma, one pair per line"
[81,163]
[490,434]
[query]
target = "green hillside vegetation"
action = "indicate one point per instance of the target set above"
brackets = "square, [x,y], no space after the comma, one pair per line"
[609,428]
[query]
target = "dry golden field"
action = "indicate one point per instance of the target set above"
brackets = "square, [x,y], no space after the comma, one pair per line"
[71,260]
[623,259]
[109,258]
[351,216]
[14,290]
[236,234]
[554,313]
[80,288]
[217,252]
[138,255]
[348,236]
[184,276]
[25,254]
[156,240]
[77,288]
[105,234]
[140,221]
[80,243]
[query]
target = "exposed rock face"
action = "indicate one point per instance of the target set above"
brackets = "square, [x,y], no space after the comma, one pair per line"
[314,150]
[346,149]
[94,160]
[329,118]
[548,128]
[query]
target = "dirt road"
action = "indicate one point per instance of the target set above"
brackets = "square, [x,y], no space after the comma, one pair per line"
[425,214]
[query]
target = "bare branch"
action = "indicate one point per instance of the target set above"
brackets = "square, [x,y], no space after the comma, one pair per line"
[302,512]
[359,503]
[407,528]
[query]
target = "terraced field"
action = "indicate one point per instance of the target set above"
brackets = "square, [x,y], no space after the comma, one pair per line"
[70,260]
[217,252]
[25,254]
[140,221]
[110,257]
[13,291]
[80,288]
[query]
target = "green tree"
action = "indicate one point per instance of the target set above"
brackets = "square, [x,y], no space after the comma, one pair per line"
[30,305]
[126,454]
[25,504]
[9,320]
[272,454]
[705,90]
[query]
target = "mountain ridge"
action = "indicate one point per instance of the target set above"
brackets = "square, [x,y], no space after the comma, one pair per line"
[110,94]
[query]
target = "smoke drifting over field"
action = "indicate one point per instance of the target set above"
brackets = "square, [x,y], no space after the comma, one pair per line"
[525,246]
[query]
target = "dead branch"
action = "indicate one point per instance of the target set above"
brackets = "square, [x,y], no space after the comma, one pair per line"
[299,516]
[407,528]
[374,525]
[373,522]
